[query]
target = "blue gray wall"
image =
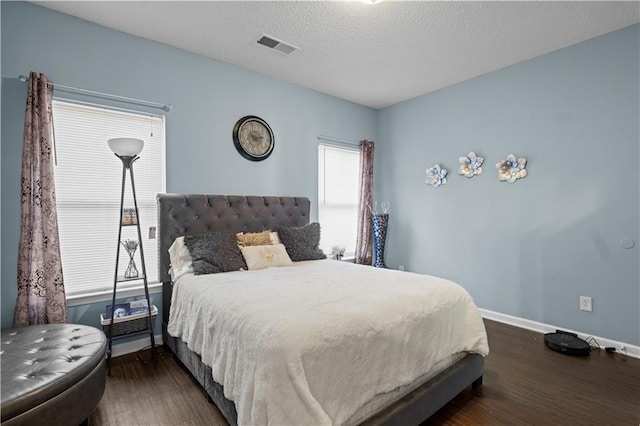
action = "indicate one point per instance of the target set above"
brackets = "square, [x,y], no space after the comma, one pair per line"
[209,97]
[528,249]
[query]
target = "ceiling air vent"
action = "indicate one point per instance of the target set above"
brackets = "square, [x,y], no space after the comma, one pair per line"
[275,44]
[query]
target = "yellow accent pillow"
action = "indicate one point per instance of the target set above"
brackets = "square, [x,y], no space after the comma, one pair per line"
[274,238]
[254,238]
[265,256]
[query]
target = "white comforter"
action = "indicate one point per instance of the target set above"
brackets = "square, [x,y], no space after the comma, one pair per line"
[310,344]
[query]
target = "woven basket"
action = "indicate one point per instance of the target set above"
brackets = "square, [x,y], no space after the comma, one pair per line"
[129,324]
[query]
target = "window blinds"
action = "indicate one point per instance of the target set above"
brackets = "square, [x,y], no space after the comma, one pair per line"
[88,179]
[338,169]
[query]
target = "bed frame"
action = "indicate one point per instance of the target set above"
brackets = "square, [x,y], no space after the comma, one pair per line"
[197,213]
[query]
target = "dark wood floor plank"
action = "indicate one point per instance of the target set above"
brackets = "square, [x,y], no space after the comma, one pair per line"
[524,383]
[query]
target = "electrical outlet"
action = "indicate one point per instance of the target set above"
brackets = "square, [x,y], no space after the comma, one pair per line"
[586,304]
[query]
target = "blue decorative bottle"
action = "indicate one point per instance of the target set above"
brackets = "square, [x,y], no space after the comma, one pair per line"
[380,222]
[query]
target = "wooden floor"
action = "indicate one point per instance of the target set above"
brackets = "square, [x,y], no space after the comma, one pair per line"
[524,383]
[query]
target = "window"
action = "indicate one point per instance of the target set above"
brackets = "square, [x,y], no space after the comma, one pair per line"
[338,169]
[88,185]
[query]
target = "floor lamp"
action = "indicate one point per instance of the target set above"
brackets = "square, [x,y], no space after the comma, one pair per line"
[127,150]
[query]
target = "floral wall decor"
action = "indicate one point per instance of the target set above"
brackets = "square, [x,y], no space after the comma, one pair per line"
[436,176]
[512,169]
[471,165]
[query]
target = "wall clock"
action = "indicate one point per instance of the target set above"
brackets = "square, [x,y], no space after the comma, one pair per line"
[253,138]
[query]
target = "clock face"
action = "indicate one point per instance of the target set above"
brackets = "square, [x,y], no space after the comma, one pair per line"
[253,138]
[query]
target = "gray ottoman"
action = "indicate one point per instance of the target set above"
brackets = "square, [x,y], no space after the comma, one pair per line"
[52,374]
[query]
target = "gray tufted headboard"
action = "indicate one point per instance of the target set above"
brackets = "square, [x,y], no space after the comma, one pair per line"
[193,214]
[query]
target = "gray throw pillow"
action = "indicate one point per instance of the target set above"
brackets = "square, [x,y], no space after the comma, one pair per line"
[215,252]
[302,243]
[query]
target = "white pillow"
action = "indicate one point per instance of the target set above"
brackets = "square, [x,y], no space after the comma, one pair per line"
[260,257]
[180,259]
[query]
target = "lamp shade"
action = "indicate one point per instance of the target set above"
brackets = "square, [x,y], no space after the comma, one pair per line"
[126,147]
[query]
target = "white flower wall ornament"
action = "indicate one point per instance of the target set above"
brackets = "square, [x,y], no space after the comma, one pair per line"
[471,165]
[436,176]
[512,169]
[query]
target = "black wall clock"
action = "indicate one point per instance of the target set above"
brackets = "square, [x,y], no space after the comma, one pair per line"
[253,138]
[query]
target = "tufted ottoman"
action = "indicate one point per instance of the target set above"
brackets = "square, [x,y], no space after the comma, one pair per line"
[52,374]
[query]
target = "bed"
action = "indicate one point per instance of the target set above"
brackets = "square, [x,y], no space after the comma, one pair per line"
[317,391]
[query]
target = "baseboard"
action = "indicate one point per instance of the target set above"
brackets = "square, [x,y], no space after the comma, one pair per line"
[134,345]
[630,350]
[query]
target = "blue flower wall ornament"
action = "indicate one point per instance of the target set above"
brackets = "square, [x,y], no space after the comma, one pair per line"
[512,169]
[471,165]
[436,176]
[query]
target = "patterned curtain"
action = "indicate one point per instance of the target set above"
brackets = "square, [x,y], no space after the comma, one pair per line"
[364,239]
[41,298]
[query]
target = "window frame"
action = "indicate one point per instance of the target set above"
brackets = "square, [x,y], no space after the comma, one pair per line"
[321,200]
[136,287]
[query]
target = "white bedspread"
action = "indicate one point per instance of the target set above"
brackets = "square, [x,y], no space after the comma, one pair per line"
[309,344]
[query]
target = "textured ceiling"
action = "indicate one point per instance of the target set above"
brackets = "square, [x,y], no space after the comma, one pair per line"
[375,55]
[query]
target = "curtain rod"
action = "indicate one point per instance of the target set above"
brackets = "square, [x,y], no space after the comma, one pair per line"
[108,96]
[109,107]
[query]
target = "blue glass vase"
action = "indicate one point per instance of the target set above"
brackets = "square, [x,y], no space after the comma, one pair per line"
[380,222]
